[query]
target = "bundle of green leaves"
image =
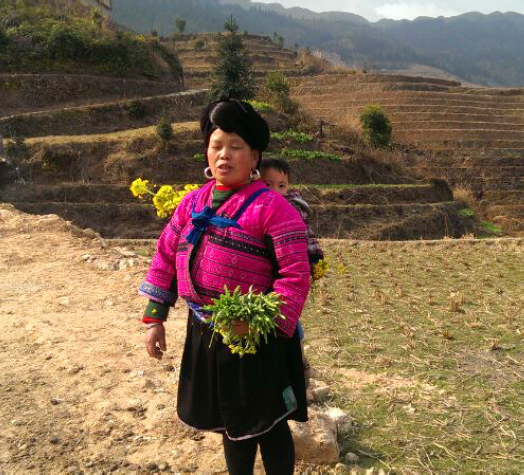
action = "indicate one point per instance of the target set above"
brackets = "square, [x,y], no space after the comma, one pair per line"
[258,311]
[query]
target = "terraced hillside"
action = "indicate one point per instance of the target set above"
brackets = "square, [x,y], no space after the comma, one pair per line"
[85,179]
[198,52]
[472,138]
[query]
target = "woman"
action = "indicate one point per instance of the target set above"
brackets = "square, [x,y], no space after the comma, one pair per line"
[234,232]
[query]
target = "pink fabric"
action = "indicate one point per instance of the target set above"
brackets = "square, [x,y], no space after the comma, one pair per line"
[236,257]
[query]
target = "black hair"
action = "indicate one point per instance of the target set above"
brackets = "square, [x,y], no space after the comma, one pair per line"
[231,115]
[277,164]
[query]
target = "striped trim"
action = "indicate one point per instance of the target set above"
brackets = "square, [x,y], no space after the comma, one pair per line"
[156,293]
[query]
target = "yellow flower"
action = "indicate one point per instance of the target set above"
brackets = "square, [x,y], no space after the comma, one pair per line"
[140,187]
[164,201]
[320,269]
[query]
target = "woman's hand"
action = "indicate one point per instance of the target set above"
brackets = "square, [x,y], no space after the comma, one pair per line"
[239,328]
[156,341]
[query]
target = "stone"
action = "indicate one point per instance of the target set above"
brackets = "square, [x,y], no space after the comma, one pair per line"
[351,458]
[316,440]
[152,467]
[64,302]
[320,393]
[340,418]
[340,467]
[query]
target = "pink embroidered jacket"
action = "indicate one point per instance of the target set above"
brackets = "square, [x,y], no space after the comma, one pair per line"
[269,252]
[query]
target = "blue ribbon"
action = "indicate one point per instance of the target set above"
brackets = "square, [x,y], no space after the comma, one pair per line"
[205,218]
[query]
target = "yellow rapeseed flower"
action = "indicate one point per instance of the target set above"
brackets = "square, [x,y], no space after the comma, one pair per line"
[320,269]
[140,187]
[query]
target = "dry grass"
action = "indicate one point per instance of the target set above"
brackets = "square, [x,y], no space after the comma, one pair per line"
[423,345]
[122,136]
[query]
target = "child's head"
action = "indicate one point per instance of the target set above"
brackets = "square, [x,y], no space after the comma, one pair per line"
[275,174]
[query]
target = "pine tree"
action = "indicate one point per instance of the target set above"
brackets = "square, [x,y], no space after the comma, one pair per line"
[232,75]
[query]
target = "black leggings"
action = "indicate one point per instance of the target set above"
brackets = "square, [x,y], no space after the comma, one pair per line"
[276,447]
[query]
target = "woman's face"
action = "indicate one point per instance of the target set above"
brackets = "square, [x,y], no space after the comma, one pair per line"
[230,158]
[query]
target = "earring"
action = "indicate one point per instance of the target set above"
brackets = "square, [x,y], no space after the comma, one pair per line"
[208,173]
[255,174]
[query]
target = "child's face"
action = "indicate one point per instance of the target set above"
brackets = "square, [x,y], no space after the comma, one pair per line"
[276,180]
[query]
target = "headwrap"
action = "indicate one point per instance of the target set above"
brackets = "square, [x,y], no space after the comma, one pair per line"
[231,115]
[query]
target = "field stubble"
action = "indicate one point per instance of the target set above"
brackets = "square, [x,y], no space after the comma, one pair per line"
[423,345]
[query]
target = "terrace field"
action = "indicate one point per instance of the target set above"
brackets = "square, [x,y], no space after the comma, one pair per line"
[421,343]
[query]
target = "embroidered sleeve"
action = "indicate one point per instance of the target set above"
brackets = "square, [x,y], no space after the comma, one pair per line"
[288,235]
[160,283]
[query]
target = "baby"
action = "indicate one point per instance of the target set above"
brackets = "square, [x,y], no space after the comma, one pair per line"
[275,174]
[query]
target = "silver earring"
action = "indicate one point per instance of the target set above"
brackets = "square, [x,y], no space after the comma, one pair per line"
[255,174]
[208,173]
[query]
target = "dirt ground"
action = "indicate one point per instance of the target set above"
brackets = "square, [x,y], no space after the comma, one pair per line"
[78,393]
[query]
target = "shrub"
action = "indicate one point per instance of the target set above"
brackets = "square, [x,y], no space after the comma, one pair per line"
[16,150]
[4,39]
[492,228]
[164,130]
[199,157]
[277,88]
[135,109]
[376,126]
[66,43]
[467,213]
[199,44]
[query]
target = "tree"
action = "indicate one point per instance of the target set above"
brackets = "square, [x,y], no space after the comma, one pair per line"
[164,130]
[277,89]
[232,75]
[280,42]
[180,25]
[376,126]
[97,18]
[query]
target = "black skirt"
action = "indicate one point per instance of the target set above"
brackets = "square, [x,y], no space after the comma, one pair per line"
[243,397]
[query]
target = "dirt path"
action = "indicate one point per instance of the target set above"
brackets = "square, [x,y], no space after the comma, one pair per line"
[77,390]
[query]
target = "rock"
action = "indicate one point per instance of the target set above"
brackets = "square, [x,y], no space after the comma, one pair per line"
[18,423]
[320,393]
[340,418]
[316,440]
[54,440]
[55,401]
[152,467]
[168,367]
[89,233]
[351,458]
[64,302]
[85,257]
[163,466]
[340,467]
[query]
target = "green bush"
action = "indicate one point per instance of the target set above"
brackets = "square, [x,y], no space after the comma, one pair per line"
[376,126]
[135,109]
[4,39]
[492,228]
[65,42]
[55,161]
[16,150]
[164,130]
[199,44]
[277,88]
[309,155]
[467,213]
[199,157]
[299,137]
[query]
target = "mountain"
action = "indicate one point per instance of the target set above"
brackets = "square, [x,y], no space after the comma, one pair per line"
[481,49]
[485,49]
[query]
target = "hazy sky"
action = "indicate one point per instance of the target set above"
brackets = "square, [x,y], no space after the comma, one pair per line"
[399,9]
